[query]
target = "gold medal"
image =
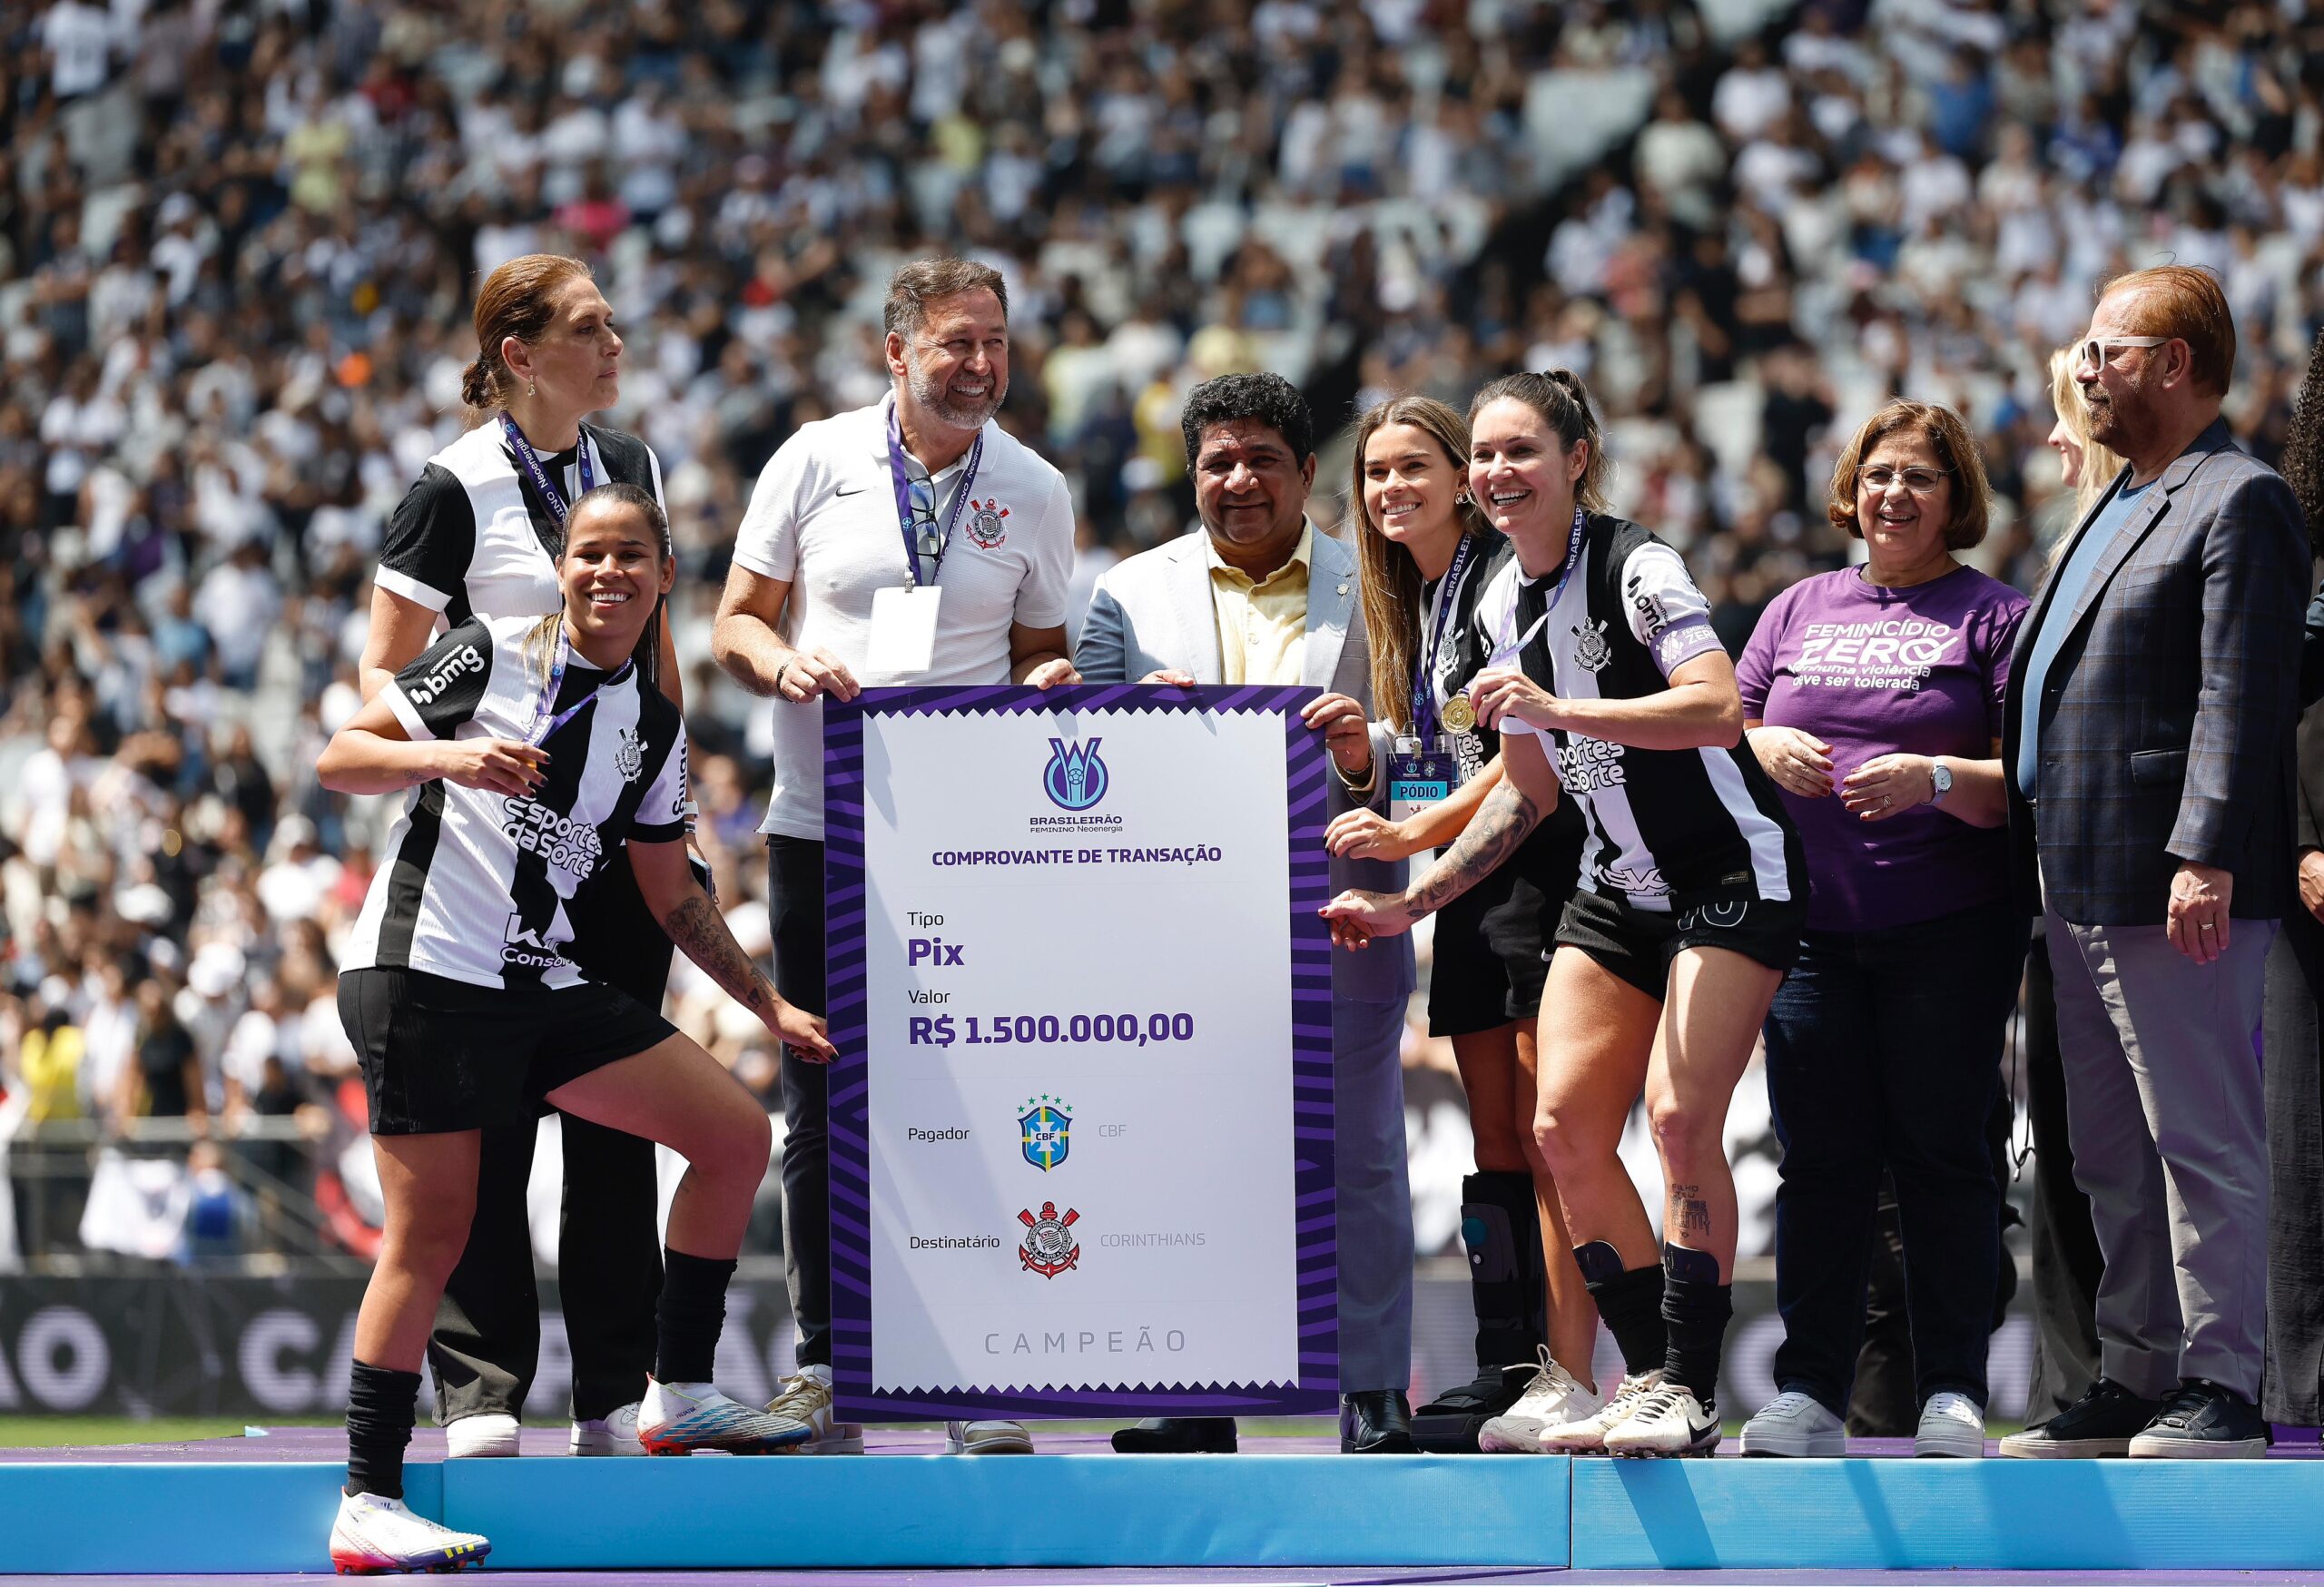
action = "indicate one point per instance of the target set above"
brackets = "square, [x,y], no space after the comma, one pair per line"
[1459,714]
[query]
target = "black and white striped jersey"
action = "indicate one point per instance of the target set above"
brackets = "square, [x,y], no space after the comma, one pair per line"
[1669,830]
[473,537]
[474,884]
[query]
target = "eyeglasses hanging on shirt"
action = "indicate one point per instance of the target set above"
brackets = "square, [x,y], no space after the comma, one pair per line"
[904,620]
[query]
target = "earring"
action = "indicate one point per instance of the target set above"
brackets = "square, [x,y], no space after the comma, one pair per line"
[530,389]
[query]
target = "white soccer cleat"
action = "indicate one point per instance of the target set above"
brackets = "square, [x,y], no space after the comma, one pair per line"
[1588,1436]
[806,1397]
[373,1534]
[616,1433]
[1552,1399]
[987,1438]
[1950,1426]
[1667,1421]
[1795,1424]
[678,1418]
[490,1436]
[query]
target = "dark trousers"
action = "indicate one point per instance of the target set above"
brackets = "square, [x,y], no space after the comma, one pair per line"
[2066,1259]
[1884,1050]
[2295,1081]
[794,869]
[488,1339]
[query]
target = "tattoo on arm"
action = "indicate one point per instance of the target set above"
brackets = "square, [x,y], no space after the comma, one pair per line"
[1503,821]
[700,931]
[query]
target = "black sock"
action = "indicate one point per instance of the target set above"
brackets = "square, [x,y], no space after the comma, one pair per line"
[1630,1303]
[692,1313]
[381,1406]
[1695,1309]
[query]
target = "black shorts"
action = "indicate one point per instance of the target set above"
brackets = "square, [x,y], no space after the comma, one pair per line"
[440,1055]
[1491,956]
[1487,965]
[1637,944]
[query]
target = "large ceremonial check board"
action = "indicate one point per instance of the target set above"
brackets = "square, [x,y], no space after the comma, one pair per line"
[1081,1119]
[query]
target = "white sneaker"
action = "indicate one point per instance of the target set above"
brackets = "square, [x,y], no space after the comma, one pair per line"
[1950,1424]
[1668,1421]
[1552,1399]
[806,1397]
[1795,1424]
[490,1436]
[616,1433]
[373,1534]
[678,1418]
[1588,1436]
[987,1438]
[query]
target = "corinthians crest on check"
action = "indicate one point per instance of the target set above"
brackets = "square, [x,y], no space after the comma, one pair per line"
[1050,1245]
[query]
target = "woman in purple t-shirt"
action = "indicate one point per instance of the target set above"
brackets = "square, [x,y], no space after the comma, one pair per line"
[1873,699]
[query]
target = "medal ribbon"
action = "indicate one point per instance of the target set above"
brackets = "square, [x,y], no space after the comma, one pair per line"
[1506,652]
[544,724]
[532,462]
[1424,713]
[930,547]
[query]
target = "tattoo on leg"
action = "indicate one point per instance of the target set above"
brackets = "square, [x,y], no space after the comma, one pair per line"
[1689,1211]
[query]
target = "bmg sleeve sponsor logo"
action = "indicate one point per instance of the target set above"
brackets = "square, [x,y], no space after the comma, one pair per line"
[466,659]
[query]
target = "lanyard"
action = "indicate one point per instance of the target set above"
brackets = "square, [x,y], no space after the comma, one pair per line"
[532,462]
[930,544]
[544,724]
[1424,715]
[1507,654]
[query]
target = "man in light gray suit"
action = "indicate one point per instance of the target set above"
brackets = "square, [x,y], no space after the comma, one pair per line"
[1257,596]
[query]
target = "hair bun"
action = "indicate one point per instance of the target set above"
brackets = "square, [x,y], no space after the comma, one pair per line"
[475,384]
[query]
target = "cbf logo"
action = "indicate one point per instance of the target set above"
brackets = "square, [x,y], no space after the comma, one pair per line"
[1045,1130]
[985,527]
[1074,778]
[1050,1245]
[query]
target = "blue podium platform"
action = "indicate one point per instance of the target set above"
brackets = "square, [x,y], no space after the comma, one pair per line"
[1909,1515]
[263,1506]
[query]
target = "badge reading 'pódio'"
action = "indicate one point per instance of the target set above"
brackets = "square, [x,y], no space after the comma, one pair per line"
[985,527]
[1050,1246]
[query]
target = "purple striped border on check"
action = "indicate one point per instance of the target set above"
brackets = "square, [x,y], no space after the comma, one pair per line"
[1305,767]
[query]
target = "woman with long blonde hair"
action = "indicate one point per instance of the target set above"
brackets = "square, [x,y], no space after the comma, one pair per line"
[2087,466]
[1426,553]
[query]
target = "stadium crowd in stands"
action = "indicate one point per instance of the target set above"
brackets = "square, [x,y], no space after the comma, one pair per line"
[239,243]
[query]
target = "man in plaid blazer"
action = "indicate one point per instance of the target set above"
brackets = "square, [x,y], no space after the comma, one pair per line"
[2148,748]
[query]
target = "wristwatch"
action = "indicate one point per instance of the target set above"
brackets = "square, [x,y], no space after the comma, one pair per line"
[1940,782]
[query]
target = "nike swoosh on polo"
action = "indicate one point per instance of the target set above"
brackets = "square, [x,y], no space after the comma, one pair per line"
[842,490]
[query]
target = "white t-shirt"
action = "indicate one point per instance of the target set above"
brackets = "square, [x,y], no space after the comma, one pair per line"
[823,519]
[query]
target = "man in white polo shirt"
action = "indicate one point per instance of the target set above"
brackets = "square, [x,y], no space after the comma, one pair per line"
[910,542]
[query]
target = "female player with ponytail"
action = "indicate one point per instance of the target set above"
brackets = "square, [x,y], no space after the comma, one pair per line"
[478,535]
[537,758]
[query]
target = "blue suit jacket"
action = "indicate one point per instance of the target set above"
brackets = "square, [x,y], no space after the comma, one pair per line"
[2167,720]
[1153,611]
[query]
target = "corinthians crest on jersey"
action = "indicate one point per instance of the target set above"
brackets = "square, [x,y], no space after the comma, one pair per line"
[629,754]
[985,526]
